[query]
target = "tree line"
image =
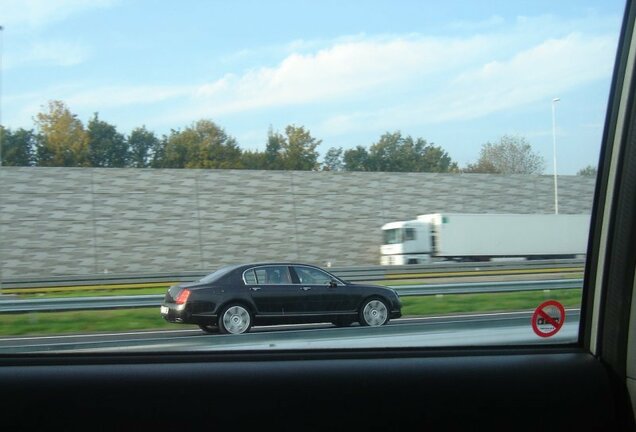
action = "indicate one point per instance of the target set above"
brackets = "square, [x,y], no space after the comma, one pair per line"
[60,139]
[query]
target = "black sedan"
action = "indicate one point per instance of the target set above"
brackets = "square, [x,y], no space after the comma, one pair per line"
[236,297]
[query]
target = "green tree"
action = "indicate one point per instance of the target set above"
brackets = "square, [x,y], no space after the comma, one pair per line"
[107,147]
[142,144]
[202,145]
[299,149]
[159,153]
[333,160]
[482,166]
[63,139]
[253,160]
[393,152]
[357,159]
[588,171]
[17,147]
[511,155]
[272,158]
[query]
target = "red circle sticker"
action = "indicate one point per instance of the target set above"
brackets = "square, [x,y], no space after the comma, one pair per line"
[548,318]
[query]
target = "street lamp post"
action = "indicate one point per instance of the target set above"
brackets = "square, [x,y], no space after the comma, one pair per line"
[556,189]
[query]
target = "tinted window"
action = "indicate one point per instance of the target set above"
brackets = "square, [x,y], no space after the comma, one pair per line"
[409,234]
[249,277]
[308,275]
[272,275]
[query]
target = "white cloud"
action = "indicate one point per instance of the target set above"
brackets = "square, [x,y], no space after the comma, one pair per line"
[36,13]
[121,96]
[386,82]
[541,72]
[56,53]
[339,71]
[493,21]
[86,100]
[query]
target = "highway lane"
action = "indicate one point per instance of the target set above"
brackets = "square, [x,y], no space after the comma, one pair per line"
[452,330]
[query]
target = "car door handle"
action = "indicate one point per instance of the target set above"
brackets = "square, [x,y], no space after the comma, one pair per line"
[305,288]
[255,288]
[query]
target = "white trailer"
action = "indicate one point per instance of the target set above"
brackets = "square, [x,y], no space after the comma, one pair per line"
[484,237]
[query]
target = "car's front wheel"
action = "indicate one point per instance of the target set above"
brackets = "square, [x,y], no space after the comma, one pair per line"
[374,312]
[235,319]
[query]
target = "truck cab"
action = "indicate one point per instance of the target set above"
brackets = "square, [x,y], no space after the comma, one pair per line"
[405,242]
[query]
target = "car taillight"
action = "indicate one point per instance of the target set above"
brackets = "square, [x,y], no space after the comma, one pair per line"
[183,296]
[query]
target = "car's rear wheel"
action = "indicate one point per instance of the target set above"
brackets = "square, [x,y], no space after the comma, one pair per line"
[209,328]
[374,312]
[235,319]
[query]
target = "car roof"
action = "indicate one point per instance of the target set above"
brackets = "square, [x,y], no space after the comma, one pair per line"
[276,263]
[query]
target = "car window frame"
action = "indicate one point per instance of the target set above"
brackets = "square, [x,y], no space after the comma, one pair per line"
[339,281]
[267,266]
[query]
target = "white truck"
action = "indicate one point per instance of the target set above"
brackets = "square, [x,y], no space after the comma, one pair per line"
[484,237]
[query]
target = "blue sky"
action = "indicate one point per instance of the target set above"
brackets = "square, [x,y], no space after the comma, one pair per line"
[456,73]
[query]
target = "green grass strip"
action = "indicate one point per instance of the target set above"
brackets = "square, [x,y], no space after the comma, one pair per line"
[496,302]
[55,323]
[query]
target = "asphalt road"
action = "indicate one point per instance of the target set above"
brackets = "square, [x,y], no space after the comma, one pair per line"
[453,330]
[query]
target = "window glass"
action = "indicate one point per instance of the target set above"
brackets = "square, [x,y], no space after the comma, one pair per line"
[249,277]
[308,275]
[273,275]
[392,236]
[270,140]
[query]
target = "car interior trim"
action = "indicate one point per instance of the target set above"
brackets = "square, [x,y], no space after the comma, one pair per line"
[615,154]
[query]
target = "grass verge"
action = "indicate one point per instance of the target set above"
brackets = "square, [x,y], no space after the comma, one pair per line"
[56,323]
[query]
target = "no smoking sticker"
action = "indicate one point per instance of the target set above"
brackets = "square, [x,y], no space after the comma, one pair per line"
[548,318]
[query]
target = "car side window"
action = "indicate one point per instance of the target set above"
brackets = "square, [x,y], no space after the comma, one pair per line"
[308,275]
[272,275]
[261,275]
[249,277]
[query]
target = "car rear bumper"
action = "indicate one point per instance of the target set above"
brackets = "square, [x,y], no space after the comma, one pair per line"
[181,314]
[174,313]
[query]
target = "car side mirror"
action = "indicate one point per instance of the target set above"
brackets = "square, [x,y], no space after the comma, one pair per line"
[333,284]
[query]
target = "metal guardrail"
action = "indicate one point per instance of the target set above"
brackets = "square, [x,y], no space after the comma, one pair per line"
[127,302]
[79,303]
[353,274]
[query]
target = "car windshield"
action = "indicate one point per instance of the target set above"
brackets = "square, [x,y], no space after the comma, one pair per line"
[146,144]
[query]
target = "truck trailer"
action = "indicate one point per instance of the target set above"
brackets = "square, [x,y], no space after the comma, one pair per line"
[484,237]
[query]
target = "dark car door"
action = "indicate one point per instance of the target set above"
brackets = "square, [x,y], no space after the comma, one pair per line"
[319,295]
[272,291]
